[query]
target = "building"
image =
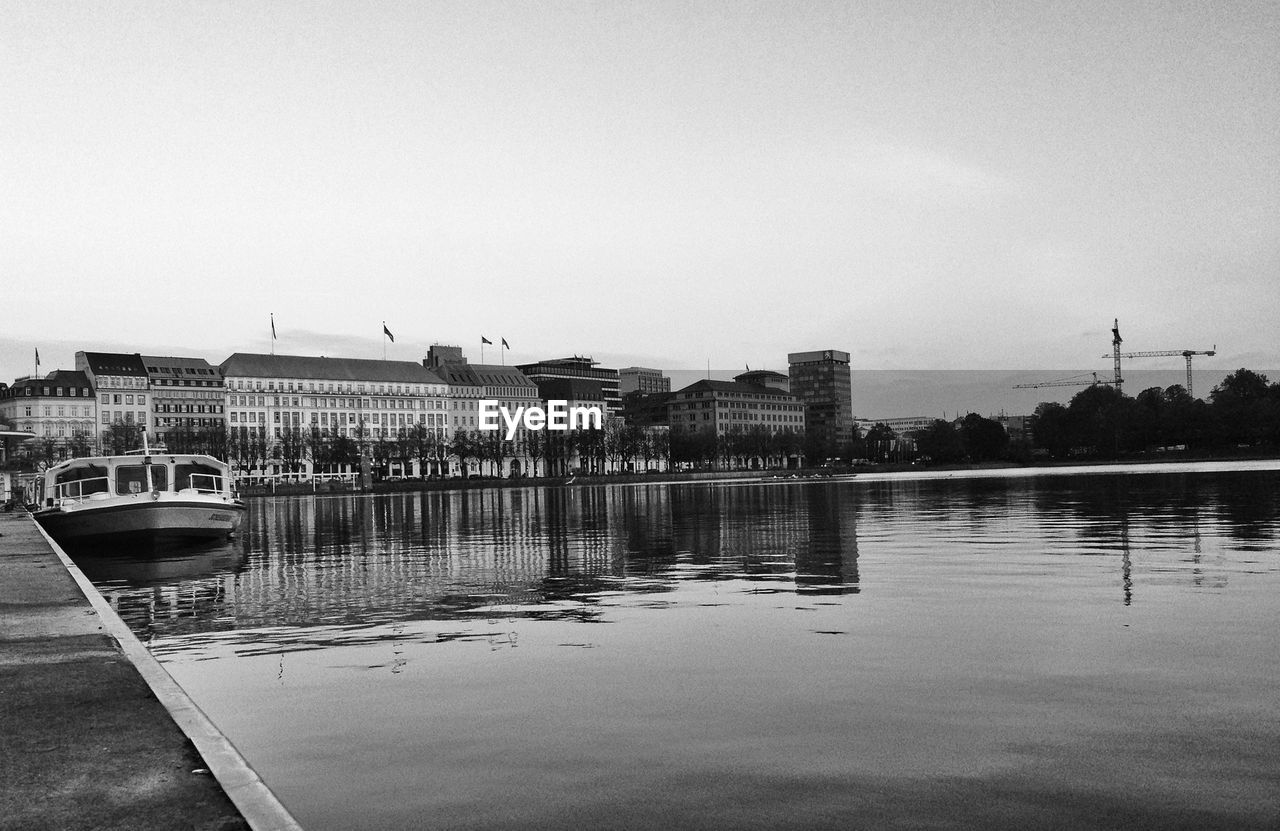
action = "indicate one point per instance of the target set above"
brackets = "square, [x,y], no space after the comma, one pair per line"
[276,398]
[579,367]
[561,457]
[59,407]
[187,395]
[647,410]
[642,380]
[468,385]
[726,406]
[823,383]
[765,378]
[900,425]
[121,384]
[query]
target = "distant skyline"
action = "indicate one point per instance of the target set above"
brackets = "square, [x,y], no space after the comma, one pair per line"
[939,186]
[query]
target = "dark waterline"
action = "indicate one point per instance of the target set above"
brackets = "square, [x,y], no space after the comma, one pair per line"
[1075,652]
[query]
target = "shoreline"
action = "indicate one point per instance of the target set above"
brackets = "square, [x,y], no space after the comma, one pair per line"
[880,472]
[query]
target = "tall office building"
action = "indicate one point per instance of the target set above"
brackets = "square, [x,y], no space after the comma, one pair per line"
[643,380]
[823,383]
[578,368]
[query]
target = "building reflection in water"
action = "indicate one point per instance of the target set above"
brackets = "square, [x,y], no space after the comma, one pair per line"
[345,566]
[315,570]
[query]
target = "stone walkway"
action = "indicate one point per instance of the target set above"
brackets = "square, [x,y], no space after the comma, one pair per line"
[84,742]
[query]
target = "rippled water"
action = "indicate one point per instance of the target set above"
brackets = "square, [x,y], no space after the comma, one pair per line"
[1064,651]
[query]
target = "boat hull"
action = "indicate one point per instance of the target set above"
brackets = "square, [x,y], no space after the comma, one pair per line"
[143,519]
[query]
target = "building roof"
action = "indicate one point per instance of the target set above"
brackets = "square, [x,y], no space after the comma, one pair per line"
[115,363]
[64,378]
[180,367]
[708,385]
[576,360]
[245,364]
[484,375]
[819,355]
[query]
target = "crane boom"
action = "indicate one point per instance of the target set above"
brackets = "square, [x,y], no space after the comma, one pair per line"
[1163,353]
[1066,382]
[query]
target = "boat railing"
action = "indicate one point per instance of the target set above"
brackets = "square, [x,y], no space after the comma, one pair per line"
[79,489]
[206,483]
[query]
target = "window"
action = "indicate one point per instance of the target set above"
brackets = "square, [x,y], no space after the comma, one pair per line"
[133,478]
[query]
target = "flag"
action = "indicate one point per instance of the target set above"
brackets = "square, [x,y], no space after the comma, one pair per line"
[387,332]
[37,356]
[483,339]
[273,327]
[504,344]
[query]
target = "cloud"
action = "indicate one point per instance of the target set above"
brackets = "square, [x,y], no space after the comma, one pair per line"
[915,172]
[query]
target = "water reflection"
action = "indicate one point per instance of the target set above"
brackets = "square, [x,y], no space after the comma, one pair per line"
[335,565]
[311,571]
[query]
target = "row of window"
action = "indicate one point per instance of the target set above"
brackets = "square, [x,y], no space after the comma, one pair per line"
[258,385]
[55,392]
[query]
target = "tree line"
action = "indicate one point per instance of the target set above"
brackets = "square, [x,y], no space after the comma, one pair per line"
[1241,411]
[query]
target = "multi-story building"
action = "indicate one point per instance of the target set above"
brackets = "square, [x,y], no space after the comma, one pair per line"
[120,382]
[59,406]
[823,382]
[578,367]
[643,380]
[728,406]
[646,411]
[187,394]
[468,385]
[900,425]
[272,396]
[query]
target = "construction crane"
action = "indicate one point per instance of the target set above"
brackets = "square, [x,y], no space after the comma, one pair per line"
[1069,381]
[1161,353]
[1116,340]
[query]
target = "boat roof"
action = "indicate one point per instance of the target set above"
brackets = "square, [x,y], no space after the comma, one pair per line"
[156,457]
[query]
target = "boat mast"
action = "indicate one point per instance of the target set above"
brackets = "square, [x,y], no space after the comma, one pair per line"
[146,462]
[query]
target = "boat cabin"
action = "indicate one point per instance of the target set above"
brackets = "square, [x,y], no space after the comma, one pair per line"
[108,476]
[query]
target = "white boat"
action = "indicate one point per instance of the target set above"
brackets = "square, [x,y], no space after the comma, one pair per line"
[145,496]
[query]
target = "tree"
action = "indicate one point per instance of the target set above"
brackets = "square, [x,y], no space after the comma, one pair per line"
[293,447]
[1241,386]
[1245,408]
[940,443]
[121,437]
[1051,429]
[1104,419]
[81,444]
[983,439]
[879,441]
[424,443]
[465,447]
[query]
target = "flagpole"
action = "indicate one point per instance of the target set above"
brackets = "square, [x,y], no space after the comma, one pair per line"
[482,349]
[384,340]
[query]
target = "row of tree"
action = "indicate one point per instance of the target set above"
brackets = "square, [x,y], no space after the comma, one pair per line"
[1243,410]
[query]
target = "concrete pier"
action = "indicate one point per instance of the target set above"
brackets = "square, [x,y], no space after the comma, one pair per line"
[90,734]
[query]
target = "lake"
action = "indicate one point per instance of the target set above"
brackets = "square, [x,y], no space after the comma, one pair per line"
[1089,649]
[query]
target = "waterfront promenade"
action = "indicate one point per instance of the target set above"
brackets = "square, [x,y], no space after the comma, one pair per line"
[86,741]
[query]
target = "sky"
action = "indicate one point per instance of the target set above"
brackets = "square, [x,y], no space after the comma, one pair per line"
[933,186]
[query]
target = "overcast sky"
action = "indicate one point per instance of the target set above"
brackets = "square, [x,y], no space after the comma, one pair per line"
[925,185]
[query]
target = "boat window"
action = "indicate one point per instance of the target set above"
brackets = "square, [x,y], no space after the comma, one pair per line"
[133,478]
[90,479]
[195,475]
